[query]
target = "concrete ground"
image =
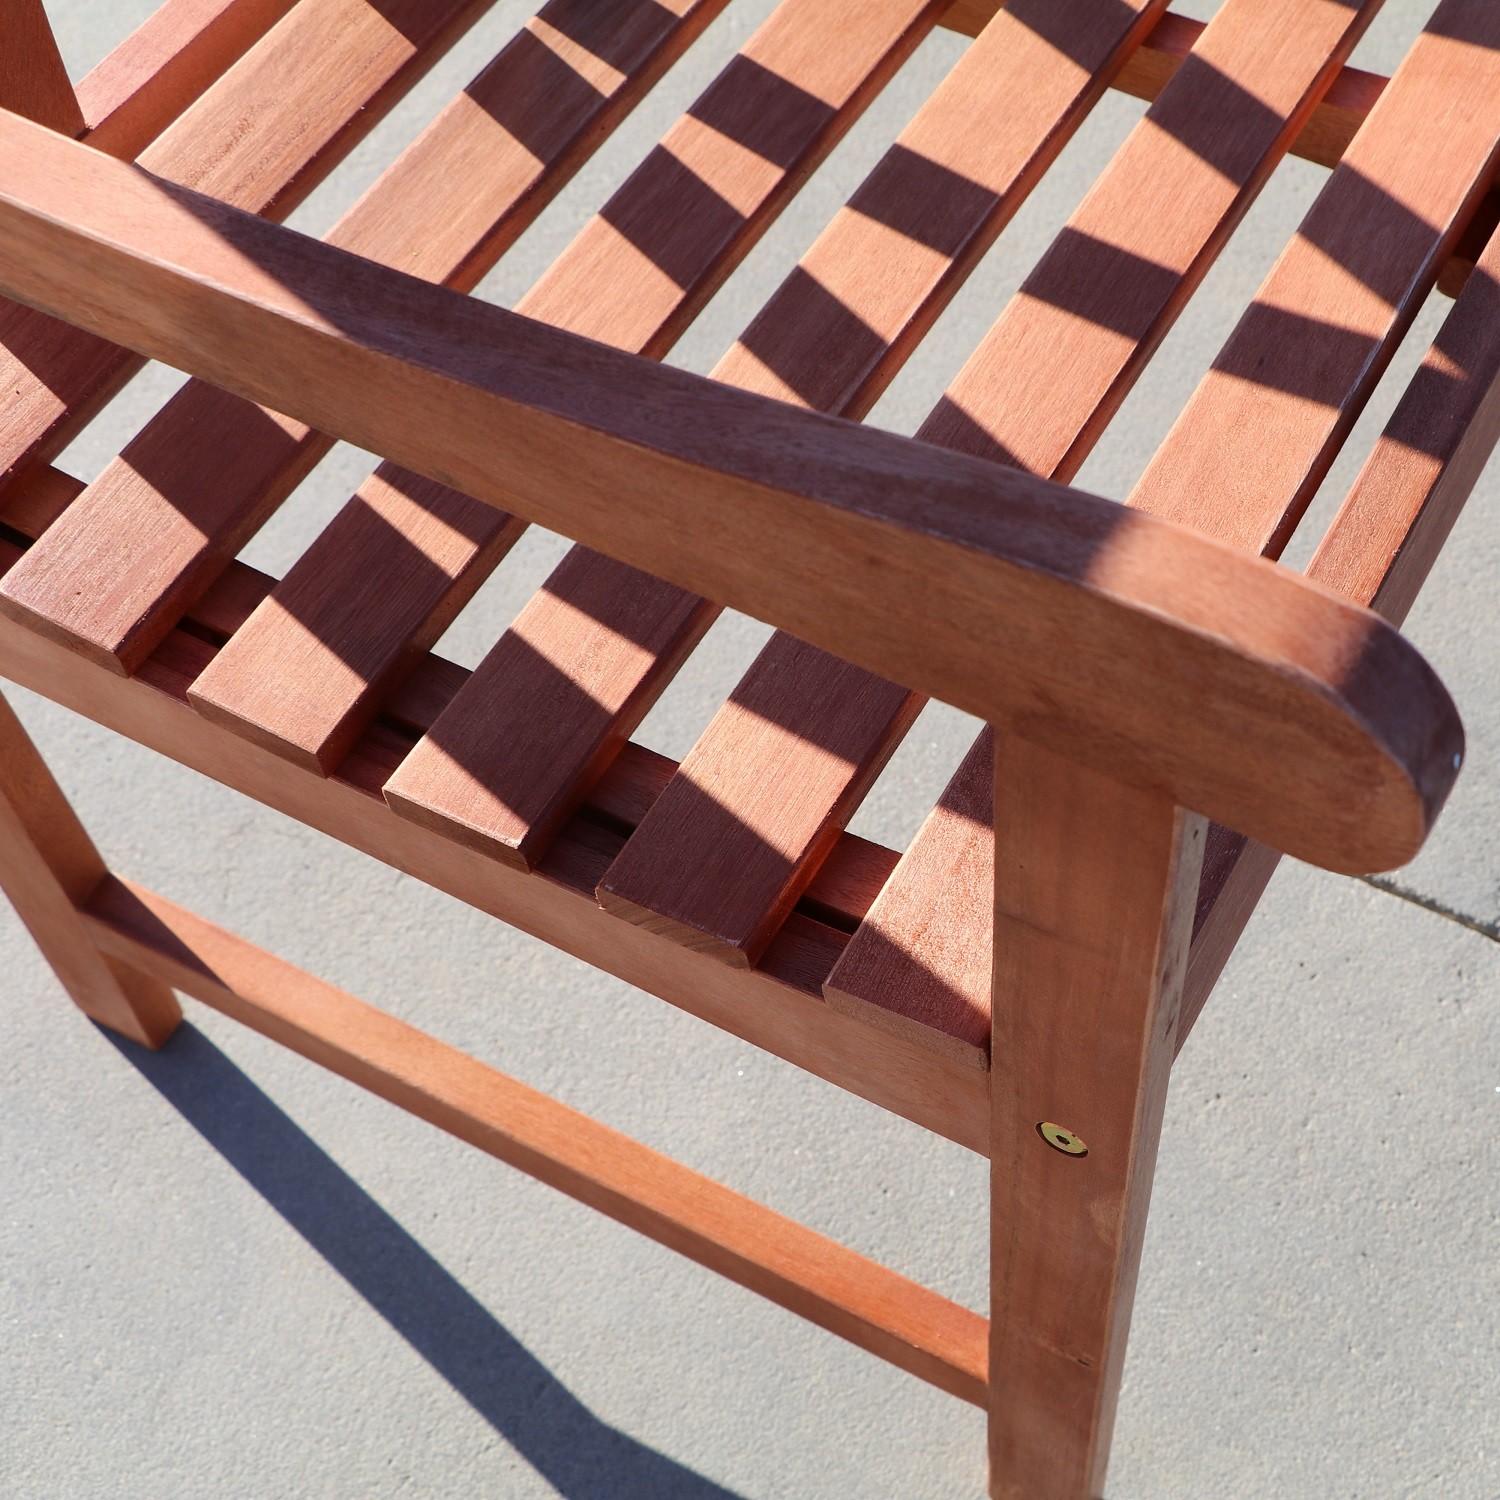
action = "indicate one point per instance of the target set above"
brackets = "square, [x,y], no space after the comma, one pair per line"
[226,1273]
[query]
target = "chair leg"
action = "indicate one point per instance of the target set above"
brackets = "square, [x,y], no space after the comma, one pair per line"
[49,867]
[1094,892]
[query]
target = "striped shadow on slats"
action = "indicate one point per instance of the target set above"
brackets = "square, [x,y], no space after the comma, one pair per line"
[1301,363]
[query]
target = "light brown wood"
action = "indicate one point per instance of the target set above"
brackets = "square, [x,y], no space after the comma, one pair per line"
[793,1266]
[169,61]
[261,138]
[337,692]
[727,851]
[33,80]
[1040,338]
[921,962]
[839,897]
[1094,888]
[600,641]
[831,531]
[49,867]
[320,662]
[1326,132]
[777,1006]
[563,688]
[682,220]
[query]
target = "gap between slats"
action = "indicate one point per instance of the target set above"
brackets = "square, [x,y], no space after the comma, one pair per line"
[309,669]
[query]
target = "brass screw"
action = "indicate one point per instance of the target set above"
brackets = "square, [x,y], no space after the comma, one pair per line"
[1061,1140]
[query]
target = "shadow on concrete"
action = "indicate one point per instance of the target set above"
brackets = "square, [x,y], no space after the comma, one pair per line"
[582,1457]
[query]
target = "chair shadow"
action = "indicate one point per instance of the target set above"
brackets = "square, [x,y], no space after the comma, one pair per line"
[582,1457]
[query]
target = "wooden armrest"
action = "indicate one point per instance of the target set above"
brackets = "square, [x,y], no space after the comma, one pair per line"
[1123,642]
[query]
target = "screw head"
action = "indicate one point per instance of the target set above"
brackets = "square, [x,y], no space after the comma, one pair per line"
[1061,1139]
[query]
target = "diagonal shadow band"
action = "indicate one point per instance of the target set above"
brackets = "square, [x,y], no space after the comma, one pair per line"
[581,1456]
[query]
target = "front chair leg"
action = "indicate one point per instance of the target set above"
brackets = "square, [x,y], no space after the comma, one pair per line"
[1095,885]
[49,868]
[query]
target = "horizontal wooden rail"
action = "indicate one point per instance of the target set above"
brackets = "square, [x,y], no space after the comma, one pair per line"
[777,1006]
[785,1261]
[1131,646]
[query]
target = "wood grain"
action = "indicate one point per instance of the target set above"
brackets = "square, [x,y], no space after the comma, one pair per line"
[166,63]
[777,1006]
[831,531]
[1094,888]
[33,80]
[49,867]
[318,617]
[1082,327]
[839,897]
[208,470]
[309,669]
[1378,551]
[341,688]
[566,684]
[685,217]
[1117,298]
[831,338]
[1307,353]
[261,138]
[793,1266]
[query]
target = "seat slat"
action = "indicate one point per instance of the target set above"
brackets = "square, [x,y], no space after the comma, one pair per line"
[166,63]
[727,850]
[840,896]
[209,469]
[562,689]
[1428,147]
[313,703]
[1340,296]
[261,138]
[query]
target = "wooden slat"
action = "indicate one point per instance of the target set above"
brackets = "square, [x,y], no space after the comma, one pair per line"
[261,138]
[1379,549]
[278,685]
[563,688]
[828,530]
[846,884]
[208,470]
[1443,104]
[1325,133]
[33,79]
[447,545]
[49,867]
[777,1007]
[169,61]
[727,850]
[1307,353]
[793,1266]
[1093,898]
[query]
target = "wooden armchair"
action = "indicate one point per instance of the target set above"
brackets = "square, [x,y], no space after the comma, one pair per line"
[1169,707]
